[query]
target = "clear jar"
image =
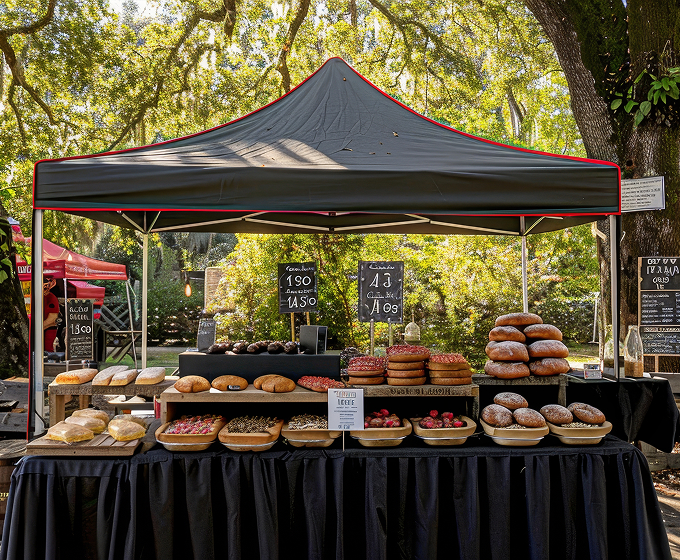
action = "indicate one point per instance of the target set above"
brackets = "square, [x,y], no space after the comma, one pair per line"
[633,353]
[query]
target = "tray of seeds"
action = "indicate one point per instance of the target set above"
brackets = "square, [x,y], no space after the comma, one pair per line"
[580,433]
[250,433]
[309,430]
[514,435]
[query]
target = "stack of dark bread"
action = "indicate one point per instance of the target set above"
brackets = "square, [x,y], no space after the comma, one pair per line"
[406,364]
[511,410]
[521,344]
[449,369]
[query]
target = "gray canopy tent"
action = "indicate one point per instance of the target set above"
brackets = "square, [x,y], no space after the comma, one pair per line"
[334,155]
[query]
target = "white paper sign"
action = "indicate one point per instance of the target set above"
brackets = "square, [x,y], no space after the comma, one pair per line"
[643,194]
[345,409]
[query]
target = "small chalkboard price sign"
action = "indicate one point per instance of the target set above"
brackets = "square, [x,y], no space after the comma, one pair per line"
[79,329]
[206,334]
[297,287]
[381,290]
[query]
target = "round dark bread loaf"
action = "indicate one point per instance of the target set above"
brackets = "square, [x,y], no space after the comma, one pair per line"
[405,373]
[366,380]
[507,332]
[586,413]
[518,319]
[548,349]
[497,416]
[507,351]
[529,418]
[260,380]
[545,332]
[556,414]
[549,366]
[406,380]
[511,401]
[278,384]
[405,365]
[506,370]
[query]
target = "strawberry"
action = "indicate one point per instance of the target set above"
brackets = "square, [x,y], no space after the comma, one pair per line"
[433,413]
[384,412]
[388,423]
[458,424]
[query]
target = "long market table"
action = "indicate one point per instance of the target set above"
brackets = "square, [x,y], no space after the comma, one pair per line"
[478,501]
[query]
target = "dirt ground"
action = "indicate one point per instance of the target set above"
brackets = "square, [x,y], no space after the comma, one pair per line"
[667,484]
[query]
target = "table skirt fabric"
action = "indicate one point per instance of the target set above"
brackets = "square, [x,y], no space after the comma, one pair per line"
[480,501]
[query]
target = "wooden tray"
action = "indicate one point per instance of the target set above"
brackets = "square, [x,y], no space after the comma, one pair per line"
[241,439]
[383,433]
[188,438]
[310,442]
[444,436]
[101,445]
[505,433]
[309,434]
[580,436]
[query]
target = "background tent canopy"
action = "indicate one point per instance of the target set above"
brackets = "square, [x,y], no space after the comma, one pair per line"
[336,154]
[62,263]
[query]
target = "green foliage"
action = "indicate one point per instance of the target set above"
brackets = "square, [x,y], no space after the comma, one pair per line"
[663,97]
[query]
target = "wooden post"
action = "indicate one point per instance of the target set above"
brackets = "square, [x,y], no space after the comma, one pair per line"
[292,327]
[307,314]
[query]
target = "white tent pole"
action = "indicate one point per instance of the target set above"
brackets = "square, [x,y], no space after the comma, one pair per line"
[525,284]
[145,299]
[37,319]
[614,261]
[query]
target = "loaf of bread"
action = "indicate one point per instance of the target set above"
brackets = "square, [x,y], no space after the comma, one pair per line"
[403,366]
[130,418]
[123,377]
[511,401]
[76,376]
[549,366]
[506,332]
[451,380]
[95,425]
[518,319]
[545,331]
[497,415]
[406,381]
[405,373]
[444,373]
[92,413]
[529,418]
[260,380]
[586,413]
[150,376]
[124,430]
[557,414]
[229,383]
[192,384]
[69,433]
[279,384]
[506,370]
[548,349]
[356,380]
[105,375]
[507,351]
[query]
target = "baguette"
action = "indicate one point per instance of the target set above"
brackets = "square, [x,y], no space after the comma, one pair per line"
[75,377]
[150,376]
[105,375]
[123,377]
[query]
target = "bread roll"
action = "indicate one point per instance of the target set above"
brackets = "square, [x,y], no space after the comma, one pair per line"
[105,375]
[130,418]
[229,383]
[518,319]
[497,416]
[586,413]
[507,352]
[405,373]
[406,380]
[549,366]
[451,380]
[529,418]
[279,384]
[405,365]
[192,384]
[506,333]
[355,380]
[444,374]
[260,380]
[92,413]
[150,376]
[548,349]
[506,370]
[76,376]
[69,433]
[545,331]
[366,372]
[124,430]
[123,377]
[556,414]
[511,401]
[436,366]
[95,425]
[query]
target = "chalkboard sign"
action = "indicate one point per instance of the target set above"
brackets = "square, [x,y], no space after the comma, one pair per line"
[79,329]
[659,305]
[206,334]
[297,287]
[381,291]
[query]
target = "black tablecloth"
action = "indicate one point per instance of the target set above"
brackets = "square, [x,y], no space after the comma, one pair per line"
[480,501]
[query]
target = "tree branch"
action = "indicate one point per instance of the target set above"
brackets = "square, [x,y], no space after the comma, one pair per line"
[295,25]
[17,114]
[37,26]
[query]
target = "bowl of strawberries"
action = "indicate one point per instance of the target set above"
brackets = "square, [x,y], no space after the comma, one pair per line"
[443,428]
[382,429]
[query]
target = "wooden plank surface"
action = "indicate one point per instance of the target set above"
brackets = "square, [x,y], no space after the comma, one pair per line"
[101,445]
[129,389]
[419,390]
[483,379]
[250,394]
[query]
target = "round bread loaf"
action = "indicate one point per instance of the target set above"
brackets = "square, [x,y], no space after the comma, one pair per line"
[545,332]
[556,414]
[442,373]
[506,370]
[497,416]
[548,349]
[432,366]
[511,401]
[260,380]
[406,380]
[507,351]
[586,413]
[405,365]
[405,373]
[549,366]
[366,372]
[192,384]
[366,380]
[518,319]
[278,384]
[451,380]
[529,418]
[506,332]
[229,383]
